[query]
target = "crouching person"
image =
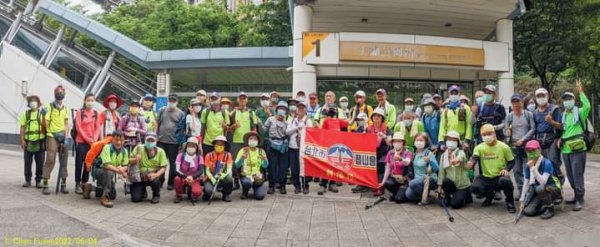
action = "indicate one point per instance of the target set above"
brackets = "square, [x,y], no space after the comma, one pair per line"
[218,167]
[425,166]
[114,160]
[189,170]
[251,159]
[397,162]
[453,177]
[153,162]
[541,184]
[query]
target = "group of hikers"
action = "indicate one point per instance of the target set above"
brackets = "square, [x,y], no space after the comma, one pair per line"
[452,147]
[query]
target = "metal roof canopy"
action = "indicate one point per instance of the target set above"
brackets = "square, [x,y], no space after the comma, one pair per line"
[235,57]
[471,19]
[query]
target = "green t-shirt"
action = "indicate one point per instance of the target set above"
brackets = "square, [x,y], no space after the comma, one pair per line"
[151,164]
[150,117]
[56,119]
[493,158]
[253,163]
[572,128]
[213,122]
[33,127]
[410,140]
[110,156]
[243,118]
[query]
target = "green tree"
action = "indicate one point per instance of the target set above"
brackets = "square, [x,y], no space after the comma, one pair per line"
[267,24]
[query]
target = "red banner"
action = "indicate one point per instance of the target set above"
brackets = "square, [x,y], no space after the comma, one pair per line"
[340,156]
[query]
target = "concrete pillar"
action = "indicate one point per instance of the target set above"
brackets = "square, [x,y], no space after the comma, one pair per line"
[506,87]
[304,76]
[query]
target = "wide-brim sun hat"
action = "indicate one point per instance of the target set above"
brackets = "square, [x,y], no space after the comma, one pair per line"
[220,138]
[379,112]
[250,134]
[112,97]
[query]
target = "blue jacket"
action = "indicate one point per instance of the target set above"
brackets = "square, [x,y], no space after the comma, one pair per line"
[432,126]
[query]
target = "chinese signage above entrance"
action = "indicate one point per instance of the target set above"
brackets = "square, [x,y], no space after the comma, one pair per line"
[410,53]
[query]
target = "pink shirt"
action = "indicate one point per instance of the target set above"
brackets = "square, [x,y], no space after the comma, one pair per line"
[396,166]
[88,128]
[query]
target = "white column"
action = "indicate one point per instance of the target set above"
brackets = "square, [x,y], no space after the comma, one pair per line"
[506,87]
[304,76]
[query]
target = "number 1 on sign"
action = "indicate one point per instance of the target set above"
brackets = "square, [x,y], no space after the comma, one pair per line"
[317,44]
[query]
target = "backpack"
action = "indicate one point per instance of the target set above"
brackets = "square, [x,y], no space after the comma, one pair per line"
[527,114]
[28,121]
[589,135]
[73,112]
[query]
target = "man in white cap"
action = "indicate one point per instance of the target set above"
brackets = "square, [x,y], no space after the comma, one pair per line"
[344,106]
[360,107]
[389,109]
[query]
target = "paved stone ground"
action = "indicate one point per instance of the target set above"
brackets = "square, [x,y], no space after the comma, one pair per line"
[281,220]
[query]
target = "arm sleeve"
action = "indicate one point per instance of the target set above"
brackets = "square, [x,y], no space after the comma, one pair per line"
[510,159]
[178,166]
[290,130]
[442,131]
[229,163]
[524,190]
[502,112]
[265,163]
[239,162]
[433,162]
[391,116]
[586,107]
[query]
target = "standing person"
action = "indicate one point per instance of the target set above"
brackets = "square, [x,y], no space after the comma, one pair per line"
[114,161]
[201,97]
[409,105]
[379,128]
[58,136]
[227,108]
[410,126]
[344,106]
[32,135]
[479,100]
[313,105]
[389,109]
[148,112]
[88,132]
[491,112]
[292,107]
[278,157]
[397,162]
[263,113]
[439,101]
[215,122]
[321,114]
[153,163]
[431,123]
[189,171]
[456,116]
[193,124]
[109,119]
[301,96]
[573,146]
[424,163]
[243,121]
[453,177]
[168,119]
[548,127]
[541,179]
[251,159]
[133,125]
[360,107]
[218,167]
[496,160]
[519,128]
[294,130]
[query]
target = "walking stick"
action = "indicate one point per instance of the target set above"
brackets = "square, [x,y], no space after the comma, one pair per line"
[443,201]
[528,197]
[379,200]
[217,168]
[61,165]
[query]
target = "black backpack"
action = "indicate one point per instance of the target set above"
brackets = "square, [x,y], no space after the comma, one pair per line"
[589,135]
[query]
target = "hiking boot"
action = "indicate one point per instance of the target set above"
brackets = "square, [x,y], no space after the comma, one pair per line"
[46,190]
[271,190]
[548,213]
[283,191]
[63,189]
[244,195]
[577,206]
[127,188]
[510,207]
[297,190]
[571,201]
[178,199]
[155,199]
[26,184]
[488,201]
[226,198]
[305,191]
[339,184]
[105,201]
[170,187]
[333,188]
[145,195]
[38,184]
[78,189]
[322,191]
[87,189]
[360,189]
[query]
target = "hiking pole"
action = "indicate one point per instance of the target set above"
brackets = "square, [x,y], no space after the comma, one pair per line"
[528,197]
[425,194]
[61,164]
[214,190]
[379,200]
[443,201]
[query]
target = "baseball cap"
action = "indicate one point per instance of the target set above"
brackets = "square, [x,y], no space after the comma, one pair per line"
[265,95]
[172,97]
[409,100]
[567,94]
[381,90]
[436,96]
[194,102]
[490,88]
[312,95]
[517,97]
[532,145]
[201,92]
[275,93]
[242,93]
[343,98]
[453,88]
[215,94]
[541,91]
[360,93]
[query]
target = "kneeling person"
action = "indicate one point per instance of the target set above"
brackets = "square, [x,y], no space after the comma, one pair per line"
[114,160]
[189,170]
[153,163]
[541,181]
[251,159]
[453,177]
[218,167]
[496,160]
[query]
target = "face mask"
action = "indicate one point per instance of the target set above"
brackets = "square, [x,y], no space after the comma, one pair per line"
[407,123]
[225,107]
[344,105]
[300,99]
[542,101]
[488,97]
[398,145]
[59,96]
[361,123]
[479,100]
[112,105]
[191,150]
[197,108]
[419,144]
[172,105]
[219,148]
[89,104]
[252,143]
[147,103]
[264,103]
[454,97]
[293,108]
[133,110]
[150,145]
[281,112]
[569,104]
[428,109]
[488,139]
[274,99]
[408,107]
[533,155]
[33,104]
[452,145]
[531,107]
